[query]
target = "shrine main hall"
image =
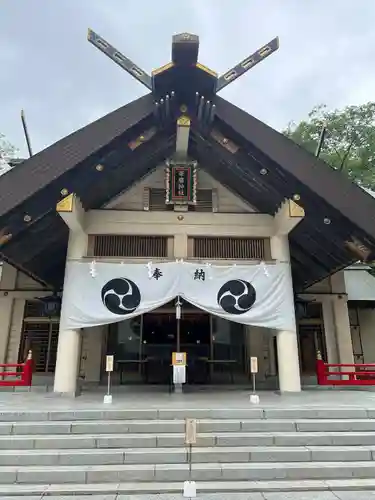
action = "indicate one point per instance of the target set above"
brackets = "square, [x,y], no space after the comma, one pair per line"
[181,224]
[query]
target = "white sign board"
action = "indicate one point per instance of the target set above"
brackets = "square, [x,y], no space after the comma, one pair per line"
[109,360]
[190,431]
[179,374]
[254,365]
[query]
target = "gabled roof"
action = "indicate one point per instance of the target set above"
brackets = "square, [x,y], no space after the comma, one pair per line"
[307,170]
[249,157]
[38,172]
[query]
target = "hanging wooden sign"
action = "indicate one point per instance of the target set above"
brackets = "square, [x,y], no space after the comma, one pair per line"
[109,360]
[181,184]
[190,431]
[253,364]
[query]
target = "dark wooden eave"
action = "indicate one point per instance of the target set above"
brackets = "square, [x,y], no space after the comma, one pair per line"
[38,172]
[33,187]
[328,184]
[317,249]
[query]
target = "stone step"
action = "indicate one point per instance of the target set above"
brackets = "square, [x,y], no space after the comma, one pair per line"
[214,455]
[289,413]
[178,426]
[156,491]
[180,472]
[171,440]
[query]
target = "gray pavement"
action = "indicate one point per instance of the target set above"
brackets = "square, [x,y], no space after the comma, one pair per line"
[151,397]
[313,495]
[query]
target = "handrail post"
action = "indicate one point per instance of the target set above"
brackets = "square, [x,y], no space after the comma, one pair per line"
[27,374]
[320,370]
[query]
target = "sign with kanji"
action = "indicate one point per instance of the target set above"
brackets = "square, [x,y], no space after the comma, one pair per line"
[199,275]
[190,431]
[253,364]
[179,359]
[181,184]
[109,360]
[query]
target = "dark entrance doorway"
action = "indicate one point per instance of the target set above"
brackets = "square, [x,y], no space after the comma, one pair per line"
[143,347]
[160,340]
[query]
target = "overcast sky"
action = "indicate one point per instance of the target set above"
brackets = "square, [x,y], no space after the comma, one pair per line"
[47,67]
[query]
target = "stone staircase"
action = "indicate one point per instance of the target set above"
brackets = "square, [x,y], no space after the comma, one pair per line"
[120,451]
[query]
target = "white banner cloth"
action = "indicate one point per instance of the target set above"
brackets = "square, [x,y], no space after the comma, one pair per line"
[258,295]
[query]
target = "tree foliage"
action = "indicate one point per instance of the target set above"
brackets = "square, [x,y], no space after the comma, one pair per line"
[349,143]
[7,151]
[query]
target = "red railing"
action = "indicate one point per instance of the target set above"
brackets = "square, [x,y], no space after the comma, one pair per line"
[23,372]
[345,374]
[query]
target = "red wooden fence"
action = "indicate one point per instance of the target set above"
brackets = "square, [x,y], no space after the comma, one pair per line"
[345,374]
[22,375]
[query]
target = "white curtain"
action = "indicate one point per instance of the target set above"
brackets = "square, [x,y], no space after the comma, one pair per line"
[258,295]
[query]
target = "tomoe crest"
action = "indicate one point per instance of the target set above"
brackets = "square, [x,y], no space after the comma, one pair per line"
[236,296]
[121,296]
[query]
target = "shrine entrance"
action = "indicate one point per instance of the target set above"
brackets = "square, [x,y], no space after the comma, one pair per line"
[162,336]
[143,347]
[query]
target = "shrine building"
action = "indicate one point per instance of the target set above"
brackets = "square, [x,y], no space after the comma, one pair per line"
[180,223]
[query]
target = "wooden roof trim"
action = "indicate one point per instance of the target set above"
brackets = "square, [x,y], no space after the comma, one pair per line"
[333,186]
[40,170]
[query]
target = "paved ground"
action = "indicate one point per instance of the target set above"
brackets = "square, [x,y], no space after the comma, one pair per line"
[154,397]
[314,495]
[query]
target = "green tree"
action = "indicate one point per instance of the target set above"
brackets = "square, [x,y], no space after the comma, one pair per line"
[7,151]
[349,143]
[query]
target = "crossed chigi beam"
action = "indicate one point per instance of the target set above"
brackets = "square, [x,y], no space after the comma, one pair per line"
[242,67]
[119,58]
[139,74]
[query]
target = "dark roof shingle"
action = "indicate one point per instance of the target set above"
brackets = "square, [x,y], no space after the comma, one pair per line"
[329,184]
[40,170]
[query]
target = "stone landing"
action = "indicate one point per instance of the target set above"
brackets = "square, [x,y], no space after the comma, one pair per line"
[313,445]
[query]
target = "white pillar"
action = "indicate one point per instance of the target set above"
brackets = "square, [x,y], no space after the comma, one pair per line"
[341,319]
[69,343]
[15,333]
[8,277]
[367,328]
[329,330]
[66,372]
[343,332]
[288,361]
[287,344]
